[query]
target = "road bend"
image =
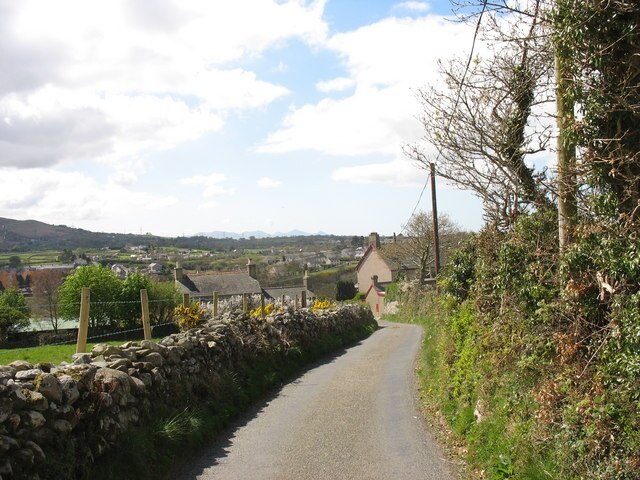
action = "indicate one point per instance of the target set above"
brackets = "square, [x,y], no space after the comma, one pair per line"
[355,416]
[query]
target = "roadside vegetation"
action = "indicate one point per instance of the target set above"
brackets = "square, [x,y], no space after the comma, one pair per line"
[532,347]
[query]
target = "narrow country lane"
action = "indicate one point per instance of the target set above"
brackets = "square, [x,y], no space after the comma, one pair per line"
[354,417]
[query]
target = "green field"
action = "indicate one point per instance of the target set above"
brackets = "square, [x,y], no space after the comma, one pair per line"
[47,353]
[32,258]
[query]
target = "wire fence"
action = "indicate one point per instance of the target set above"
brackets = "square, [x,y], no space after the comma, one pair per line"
[64,323]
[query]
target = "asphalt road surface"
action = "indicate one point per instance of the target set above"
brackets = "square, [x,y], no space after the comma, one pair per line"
[353,417]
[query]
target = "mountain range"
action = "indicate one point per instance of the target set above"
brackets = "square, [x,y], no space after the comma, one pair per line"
[256,234]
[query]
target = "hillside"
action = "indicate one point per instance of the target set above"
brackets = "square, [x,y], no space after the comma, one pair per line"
[29,235]
[32,235]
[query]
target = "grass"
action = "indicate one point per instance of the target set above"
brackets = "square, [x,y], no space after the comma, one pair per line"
[46,353]
[45,257]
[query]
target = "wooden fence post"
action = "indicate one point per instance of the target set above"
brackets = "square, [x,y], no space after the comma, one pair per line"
[215,304]
[185,299]
[262,306]
[284,301]
[303,296]
[245,302]
[144,305]
[296,303]
[83,327]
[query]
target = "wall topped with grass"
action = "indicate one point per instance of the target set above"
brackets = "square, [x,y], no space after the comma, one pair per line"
[57,421]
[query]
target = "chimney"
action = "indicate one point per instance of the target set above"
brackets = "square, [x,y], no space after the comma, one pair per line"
[178,272]
[374,280]
[374,240]
[251,269]
[305,280]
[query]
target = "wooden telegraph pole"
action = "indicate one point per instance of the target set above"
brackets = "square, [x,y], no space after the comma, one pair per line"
[144,306]
[434,210]
[83,327]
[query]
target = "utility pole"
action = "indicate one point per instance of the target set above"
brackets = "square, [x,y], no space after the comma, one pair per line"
[566,154]
[434,211]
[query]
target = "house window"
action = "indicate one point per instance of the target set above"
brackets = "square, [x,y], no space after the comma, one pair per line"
[377,308]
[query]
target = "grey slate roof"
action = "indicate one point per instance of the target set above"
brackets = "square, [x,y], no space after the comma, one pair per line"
[276,293]
[226,283]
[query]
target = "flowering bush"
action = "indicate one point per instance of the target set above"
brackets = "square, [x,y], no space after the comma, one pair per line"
[268,310]
[321,305]
[188,316]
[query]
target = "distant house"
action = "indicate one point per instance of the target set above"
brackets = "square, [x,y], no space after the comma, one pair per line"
[156,268]
[120,270]
[375,271]
[202,285]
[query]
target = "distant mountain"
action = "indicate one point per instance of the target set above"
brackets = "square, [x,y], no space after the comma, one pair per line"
[256,234]
[29,235]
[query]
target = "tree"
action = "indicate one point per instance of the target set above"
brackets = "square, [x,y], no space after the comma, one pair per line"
[15,261]
[345,290]
[129,312]
[105,292]
[67,256]
[417,245]
[163,299]
[14,312]
[480,119]
[45,291]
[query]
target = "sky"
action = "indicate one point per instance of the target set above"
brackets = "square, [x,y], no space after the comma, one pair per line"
[180,116]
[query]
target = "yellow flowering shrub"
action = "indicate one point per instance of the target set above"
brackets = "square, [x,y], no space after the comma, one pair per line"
[257,312]
[321,304]
[188,316]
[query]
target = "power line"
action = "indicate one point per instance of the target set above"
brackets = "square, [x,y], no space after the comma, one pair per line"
[455,106]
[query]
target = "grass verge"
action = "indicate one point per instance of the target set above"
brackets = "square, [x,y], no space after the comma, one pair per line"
[486,413]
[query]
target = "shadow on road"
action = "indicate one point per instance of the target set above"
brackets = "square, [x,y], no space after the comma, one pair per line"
[218,448]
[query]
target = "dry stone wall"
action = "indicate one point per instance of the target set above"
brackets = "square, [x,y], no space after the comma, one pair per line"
[57,417]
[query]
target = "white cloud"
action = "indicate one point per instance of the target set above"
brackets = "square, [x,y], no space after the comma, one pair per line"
[211,184]
[63,197]
[266,182]
[400,172]
[335,85]
[386,61]
[208,205]
[113,81]
[413,6]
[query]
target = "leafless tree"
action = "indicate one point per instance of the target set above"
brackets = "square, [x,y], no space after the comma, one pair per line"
[416,245]
[45,293]
[481,119]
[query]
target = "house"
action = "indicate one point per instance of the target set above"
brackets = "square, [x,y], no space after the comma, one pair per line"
[375,297]
[227,284]
[290,293]
[156,268]
[375,271]
[120,270]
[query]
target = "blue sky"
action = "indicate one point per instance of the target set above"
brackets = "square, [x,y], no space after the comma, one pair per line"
[175,117]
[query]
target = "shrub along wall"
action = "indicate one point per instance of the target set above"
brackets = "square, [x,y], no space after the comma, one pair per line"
[55,421]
